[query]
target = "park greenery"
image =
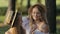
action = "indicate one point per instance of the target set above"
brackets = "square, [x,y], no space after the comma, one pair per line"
[4,6]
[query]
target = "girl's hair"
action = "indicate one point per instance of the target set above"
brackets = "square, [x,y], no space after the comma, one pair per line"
[18,24]
[42,10]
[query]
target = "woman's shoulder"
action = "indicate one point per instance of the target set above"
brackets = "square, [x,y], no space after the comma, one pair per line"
[25,19]
[25,22]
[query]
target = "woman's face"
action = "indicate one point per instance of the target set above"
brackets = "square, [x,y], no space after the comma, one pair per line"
[36,14]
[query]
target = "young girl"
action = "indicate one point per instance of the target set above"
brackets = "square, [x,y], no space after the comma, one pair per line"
[38,20]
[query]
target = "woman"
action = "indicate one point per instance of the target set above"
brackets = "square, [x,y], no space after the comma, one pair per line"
[17,26]
[38,21]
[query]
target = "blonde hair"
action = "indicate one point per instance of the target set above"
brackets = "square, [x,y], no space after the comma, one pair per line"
[42,10]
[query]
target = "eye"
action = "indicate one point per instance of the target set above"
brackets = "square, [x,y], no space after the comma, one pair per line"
[38,12]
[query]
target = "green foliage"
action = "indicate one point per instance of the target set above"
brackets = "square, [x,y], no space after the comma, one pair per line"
[2,18]
[58,17]
[3,29]
[4,3]
[58,28]
[3,10]
[58,10]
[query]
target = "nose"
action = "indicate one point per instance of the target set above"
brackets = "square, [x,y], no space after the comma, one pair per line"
[35,14]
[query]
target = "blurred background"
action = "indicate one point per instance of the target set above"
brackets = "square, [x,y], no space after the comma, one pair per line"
[24,5]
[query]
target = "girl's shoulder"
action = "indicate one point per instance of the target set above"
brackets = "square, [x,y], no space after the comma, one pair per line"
[25,22]
[25,18]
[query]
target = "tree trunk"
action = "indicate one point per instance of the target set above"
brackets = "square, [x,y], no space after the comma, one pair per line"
[10,12]
[12,4]
[51,15]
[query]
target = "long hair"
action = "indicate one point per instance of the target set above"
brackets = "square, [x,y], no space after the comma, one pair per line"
[18,24]
[42,10]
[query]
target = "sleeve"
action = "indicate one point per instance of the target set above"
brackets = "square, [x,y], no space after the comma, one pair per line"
[25,23]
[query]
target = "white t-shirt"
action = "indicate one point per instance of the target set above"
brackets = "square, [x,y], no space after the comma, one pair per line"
[25,25]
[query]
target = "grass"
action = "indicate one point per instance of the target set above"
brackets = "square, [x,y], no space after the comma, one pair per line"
[3,29]
[58,26]
[58,2]
[2,18]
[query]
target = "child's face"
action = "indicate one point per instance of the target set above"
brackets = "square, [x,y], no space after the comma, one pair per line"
[36,14]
